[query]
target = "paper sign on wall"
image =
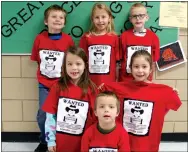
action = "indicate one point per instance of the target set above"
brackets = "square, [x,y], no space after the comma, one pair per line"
[173,14]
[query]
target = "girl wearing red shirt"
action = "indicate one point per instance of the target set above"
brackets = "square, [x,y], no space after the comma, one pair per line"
[143,104]
[102,46]
[69,104]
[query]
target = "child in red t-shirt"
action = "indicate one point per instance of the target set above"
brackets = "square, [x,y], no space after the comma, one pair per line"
[106,135]
[143,104]
[48,51]
[70,104]
[137,38]
[102,46]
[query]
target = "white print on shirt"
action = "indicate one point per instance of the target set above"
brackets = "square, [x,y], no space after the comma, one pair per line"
[71,116]
[51,62]
[103,150]
[137,116]
[131,50]
[99,59]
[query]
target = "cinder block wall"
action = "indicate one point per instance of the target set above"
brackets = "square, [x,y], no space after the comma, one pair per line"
[20,93]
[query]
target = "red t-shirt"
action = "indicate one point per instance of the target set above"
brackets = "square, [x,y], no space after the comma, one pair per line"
[131,43]
[49,54]
[74,115]
[95,141]
[103,52]
[143,107]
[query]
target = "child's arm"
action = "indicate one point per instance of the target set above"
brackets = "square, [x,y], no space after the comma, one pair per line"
[155,55]
[156,48]
[123,55]
[117,71]
[107,87]
[113,86]
[83,43]
[50,131]
[118,56]
[35,51]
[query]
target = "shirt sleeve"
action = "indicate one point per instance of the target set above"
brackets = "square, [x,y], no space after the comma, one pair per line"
[83,43]
[122,46]
[50,129]
[156,48]
[35,51]
[85,141]
[92,97]
[106,87]
[51,102]
[71,41]
[172,99]
[123,51]
[124,145]
[117,48]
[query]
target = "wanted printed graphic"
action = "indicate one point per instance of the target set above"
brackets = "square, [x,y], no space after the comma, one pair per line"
[99,59]
[51,62]
[130,52]
[71,116]
[103,150]
[137,116]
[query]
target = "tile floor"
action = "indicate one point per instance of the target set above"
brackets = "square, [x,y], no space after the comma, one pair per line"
[29,147]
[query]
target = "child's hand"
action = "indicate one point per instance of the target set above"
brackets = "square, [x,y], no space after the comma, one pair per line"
[52,149]
[176,91]
[100,87]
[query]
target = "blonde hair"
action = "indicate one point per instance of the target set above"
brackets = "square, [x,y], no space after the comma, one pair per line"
[110,27]
[108,94]
[137,5]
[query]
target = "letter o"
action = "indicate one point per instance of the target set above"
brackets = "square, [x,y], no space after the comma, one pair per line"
[77,28]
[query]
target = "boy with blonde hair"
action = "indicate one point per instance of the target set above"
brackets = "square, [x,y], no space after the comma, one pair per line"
[137,38]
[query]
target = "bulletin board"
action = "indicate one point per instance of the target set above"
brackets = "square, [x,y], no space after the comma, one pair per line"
[25,20]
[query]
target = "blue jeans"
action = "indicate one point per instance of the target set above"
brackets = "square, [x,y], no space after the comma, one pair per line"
[41,115]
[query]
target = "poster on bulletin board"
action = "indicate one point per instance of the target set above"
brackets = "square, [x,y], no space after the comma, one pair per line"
[171,55]
[25,20]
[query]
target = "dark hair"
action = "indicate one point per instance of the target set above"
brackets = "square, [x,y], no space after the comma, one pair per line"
[143,53]
[54,7]
[108,94]
[84,81]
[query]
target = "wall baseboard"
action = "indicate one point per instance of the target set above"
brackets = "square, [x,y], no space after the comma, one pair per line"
[34,137]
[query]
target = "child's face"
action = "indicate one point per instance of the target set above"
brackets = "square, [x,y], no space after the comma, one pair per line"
[55,21]
[101,19]
[140,69]
[106,109]
[138,17]
[74,67]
